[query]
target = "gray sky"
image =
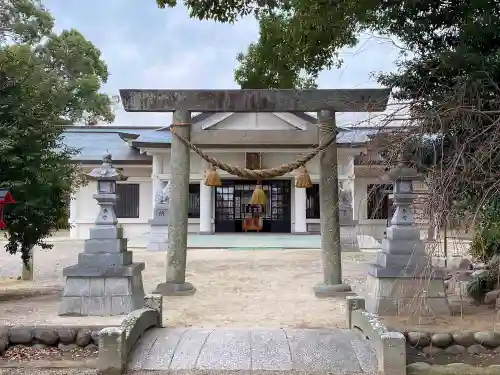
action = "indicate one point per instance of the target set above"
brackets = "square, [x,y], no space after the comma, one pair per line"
[146,47]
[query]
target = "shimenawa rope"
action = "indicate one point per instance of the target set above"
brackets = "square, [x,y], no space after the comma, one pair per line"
[255,174]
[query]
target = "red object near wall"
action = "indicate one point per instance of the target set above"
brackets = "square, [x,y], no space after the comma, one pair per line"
[5,198]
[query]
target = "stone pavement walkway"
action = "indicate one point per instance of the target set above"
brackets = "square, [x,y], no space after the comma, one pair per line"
[334,351]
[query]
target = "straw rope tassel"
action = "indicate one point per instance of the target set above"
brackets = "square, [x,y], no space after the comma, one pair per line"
[254,174]
[212,177]
[259,196]
[303,180]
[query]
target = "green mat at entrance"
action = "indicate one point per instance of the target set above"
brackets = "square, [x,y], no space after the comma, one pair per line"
[251,241]
[254,248]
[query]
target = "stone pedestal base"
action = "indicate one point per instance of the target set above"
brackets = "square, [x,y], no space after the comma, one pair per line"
[158,238]
[158,235]
[174,289]
[337,290]
[349,243]
[348,237]
[391,296]
[91,291]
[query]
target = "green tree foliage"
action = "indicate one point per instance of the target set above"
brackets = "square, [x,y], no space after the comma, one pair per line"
[448,71]
[256,72]
[486,241]
[451,83]
[46,79]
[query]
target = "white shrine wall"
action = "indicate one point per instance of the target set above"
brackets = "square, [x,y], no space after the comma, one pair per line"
[151,178]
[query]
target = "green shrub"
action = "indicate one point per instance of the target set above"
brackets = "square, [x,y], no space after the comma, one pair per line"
[486,241]
[482,283]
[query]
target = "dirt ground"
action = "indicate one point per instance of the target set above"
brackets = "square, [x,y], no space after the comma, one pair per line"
[466,317]
[261,288]
[266,288]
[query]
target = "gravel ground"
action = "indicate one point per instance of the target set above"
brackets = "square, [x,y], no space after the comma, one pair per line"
[22,353]
[46,371]
[48,263]
[267,288]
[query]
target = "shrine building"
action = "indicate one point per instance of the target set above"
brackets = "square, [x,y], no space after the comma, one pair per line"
[253,140]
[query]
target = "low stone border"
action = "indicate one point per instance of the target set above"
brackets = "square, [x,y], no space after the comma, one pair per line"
[65,338]
[13,294]
[390,347]
[454,343]
[116,343]
[422,368]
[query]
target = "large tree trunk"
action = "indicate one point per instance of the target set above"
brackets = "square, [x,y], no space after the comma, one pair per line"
[28,273]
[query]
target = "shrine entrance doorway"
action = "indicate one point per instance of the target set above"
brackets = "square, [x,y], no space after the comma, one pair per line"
[231,197]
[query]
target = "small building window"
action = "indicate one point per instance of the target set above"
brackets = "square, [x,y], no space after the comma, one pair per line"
[312,202]
[379,206]
[194,201]
[127,204]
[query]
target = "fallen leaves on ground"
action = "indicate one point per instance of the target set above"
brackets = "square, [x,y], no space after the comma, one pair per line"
[29,353]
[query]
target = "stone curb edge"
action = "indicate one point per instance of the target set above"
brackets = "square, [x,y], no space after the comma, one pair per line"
[421,368]
[390,347]
[116,343]
[25,292]
[55,326]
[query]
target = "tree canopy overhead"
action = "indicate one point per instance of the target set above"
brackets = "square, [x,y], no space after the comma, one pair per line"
[448,71]
[46,79]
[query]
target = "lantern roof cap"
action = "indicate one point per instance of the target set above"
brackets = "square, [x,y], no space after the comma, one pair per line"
[402,171]
[106,172]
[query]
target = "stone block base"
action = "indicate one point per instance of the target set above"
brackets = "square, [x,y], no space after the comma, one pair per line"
[157,246]
[174,289]
[406,296]
[158,238]
[349,242]
[337,290]
[101,295]
[348,237]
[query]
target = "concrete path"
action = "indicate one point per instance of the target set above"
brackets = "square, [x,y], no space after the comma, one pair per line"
[244,241]
[249,241]
[256,350]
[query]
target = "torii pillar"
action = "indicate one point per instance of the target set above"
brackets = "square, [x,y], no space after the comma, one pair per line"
[183,102]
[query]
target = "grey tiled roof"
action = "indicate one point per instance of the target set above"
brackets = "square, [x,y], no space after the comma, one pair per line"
[156,136]
[95,141]
[93,144]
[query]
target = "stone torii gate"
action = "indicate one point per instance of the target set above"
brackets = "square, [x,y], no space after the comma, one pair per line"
[324,102]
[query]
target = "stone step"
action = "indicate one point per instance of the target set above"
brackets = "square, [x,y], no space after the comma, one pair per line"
[321,351]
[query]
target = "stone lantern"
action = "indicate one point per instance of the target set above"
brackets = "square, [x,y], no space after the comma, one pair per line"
[403,280]
[105,281]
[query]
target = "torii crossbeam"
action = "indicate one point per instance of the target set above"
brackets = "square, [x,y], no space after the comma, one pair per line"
[355,100]
[324,102]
